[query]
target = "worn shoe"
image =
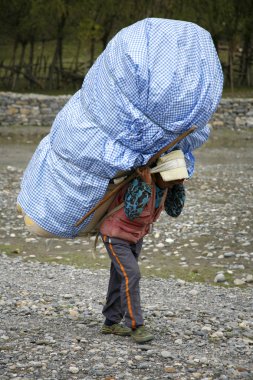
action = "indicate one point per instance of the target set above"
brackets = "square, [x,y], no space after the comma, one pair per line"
[141,335]
[116,329]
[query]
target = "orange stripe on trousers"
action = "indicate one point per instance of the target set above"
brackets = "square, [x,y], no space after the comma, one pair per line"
[129,305]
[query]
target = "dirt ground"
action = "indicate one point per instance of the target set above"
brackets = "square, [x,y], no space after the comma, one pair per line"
[212,236]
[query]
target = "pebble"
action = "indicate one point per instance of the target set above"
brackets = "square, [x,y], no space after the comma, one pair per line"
[249,278]
[229,254]
[166,354]
[169,240]
[144,365]
[217,335]
[73,369]
[220,277]
[193,292]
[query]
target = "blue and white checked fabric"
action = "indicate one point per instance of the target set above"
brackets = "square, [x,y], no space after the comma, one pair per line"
[155,79]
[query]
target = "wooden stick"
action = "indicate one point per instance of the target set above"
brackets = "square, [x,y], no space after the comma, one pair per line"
[133,175]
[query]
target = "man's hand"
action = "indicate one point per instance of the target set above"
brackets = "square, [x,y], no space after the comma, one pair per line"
[145,175]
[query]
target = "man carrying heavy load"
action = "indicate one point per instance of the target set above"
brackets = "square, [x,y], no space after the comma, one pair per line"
[155,80]
[131,216]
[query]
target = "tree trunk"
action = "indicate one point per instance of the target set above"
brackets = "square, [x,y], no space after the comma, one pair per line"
[13,63]
[56,66]
[231,68]
[20,66]
[52,68]
[14,52]
[31,58]
[41,57]
[77,55]
[92,51]
[245,64]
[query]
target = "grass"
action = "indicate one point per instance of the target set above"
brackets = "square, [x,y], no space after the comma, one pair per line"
[160,265]
[241,92]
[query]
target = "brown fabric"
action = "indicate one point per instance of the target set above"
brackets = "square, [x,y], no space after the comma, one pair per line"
[119,226]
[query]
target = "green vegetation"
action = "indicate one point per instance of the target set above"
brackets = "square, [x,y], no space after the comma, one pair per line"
[48,46]
[158,265]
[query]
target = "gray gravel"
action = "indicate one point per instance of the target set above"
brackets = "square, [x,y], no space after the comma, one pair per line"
[51,316]
[50,313]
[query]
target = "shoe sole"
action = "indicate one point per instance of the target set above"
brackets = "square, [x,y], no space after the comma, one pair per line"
[143,340]
[108,332]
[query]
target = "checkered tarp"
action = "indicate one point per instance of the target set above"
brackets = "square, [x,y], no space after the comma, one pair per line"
[155,79]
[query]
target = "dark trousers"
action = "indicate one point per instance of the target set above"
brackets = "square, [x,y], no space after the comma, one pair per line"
[123,296]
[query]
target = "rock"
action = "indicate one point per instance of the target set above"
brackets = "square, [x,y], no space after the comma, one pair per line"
[73,369]
[144,365]
[193,292]
[217,335]
[220,278]
[170,370]
[245,325]
[67,296]
[166,354]
[206,328]
[239,282]
[169,240]
[138,357]
[249,122]
[74,313]
[229,254]
[249,278]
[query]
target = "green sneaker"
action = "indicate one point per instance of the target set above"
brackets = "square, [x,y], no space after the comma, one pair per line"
[141,335]
[116,329]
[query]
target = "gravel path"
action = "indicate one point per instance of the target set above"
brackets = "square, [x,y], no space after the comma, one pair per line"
[51,316]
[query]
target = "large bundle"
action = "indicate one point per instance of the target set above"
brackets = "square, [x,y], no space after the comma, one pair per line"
[155,79]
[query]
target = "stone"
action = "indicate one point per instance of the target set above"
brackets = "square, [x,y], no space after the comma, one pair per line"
[229,254]
[166,354]
[12,111]
[239,282]
[73,369]
[170,370]
[220,278]
[143,365]
[74,313]
[193,292]
[169,240]
[217,335]
[249,122]
[218,124]
[249,278]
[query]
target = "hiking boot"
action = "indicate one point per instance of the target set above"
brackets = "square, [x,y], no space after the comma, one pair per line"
[141,335]
[116,329]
